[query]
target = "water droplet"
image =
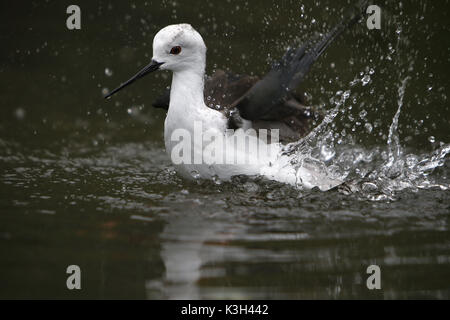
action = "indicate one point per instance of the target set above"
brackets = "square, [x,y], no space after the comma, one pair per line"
[327,153]
[346,94]
[19,113]
[108,72]
[216,180]
[369,187]
[363,114]
[365,80]
[195,174]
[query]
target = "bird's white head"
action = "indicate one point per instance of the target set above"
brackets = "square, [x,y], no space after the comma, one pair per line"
[179,47]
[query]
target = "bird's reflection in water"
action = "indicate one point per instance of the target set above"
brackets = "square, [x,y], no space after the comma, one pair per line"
[189,242]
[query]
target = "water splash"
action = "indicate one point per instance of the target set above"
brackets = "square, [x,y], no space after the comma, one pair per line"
[375,173]
[395,150]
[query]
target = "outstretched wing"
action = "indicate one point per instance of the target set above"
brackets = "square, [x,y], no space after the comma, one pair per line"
[271,91]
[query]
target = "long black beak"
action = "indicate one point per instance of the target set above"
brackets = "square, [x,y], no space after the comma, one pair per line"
[153,66]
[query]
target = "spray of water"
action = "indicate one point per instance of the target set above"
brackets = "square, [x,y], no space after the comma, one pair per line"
[377,173]
[326,158]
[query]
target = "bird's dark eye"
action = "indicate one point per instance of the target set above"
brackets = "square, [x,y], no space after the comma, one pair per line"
[175,50]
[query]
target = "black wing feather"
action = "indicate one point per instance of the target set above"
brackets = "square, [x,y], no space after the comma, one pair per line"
[286,75]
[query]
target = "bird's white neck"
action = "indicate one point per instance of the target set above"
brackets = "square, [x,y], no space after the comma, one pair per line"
[187,101]
[187,90]
[187,107]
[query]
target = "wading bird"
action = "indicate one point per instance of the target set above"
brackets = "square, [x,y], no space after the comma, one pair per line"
[227,101]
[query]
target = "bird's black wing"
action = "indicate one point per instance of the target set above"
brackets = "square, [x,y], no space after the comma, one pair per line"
[264,98]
